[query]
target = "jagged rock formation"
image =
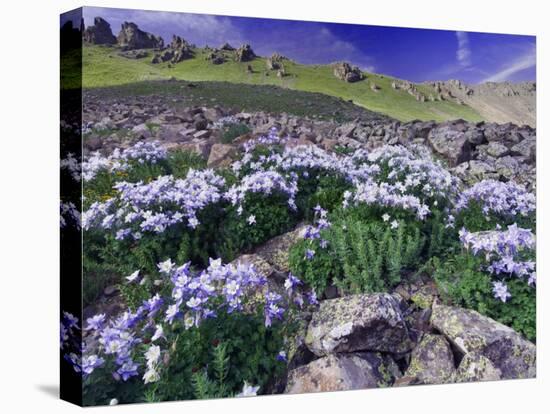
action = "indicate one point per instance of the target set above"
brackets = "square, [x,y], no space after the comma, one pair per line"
[226,46]
[275,61]
[178,50]
[346,72]
[131,37]
[244,53]
[495,101]
[100,33]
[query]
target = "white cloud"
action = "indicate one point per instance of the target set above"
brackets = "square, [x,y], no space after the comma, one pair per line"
[525,61]
[463,53]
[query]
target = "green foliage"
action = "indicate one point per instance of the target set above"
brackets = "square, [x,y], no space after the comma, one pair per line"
[475,220]
[203,386]
[340,149]
[319,271]
[215,359]
[360,256]
[461,282]
[232,131]
[273,217]
[327,191]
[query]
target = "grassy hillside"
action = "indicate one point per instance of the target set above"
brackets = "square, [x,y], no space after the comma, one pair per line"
[104,67]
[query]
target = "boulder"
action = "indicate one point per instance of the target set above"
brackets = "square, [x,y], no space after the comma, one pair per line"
[100,33]
[221,155]
[200,147]
[344,71]
[450,143]
[342,373]
[496,149]
[526,148]
[475,367]
[470,331]
[364,322]
[131,37]
[475,136]
[260,265]
[275,251]
[216,57]
[432,361]
[508,167]
[244,53]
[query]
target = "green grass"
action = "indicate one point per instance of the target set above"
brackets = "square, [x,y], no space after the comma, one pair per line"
[103,67]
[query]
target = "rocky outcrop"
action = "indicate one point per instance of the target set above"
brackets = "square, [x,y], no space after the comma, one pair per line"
[131,37]
[344,71]
[244,53]
[359,323]
[275,62]
[226,46]
[342,373]
[100,33]
[177,51]
[470,331]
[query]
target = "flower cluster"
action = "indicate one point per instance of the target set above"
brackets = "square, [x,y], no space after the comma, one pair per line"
[69,215]
[72,165]
[384,194]
[320,222]
[141,153]
[506,199]
[264,182]
[195,296]
[502,249]
[155,206]
[70,343]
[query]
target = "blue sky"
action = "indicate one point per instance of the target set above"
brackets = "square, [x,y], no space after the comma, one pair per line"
[413,54]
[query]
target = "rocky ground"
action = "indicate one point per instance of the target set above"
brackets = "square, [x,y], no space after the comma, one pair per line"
[412,337]
[472,151]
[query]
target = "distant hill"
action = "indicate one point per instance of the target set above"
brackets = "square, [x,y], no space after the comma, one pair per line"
[496,101]
[109,66]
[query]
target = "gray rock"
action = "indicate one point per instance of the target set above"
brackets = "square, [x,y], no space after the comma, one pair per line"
[507,167]
[131,37]
[244,54]
[100,33]
[275,251]
[470,331]
[496,149]
[142,131]
[346,72]
[432,361]
[475,136]
[526,148]
[475,367]
[453,145]
[343,372]
[366,322]
[221,155]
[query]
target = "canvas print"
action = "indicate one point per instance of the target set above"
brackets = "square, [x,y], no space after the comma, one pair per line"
[255,206]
